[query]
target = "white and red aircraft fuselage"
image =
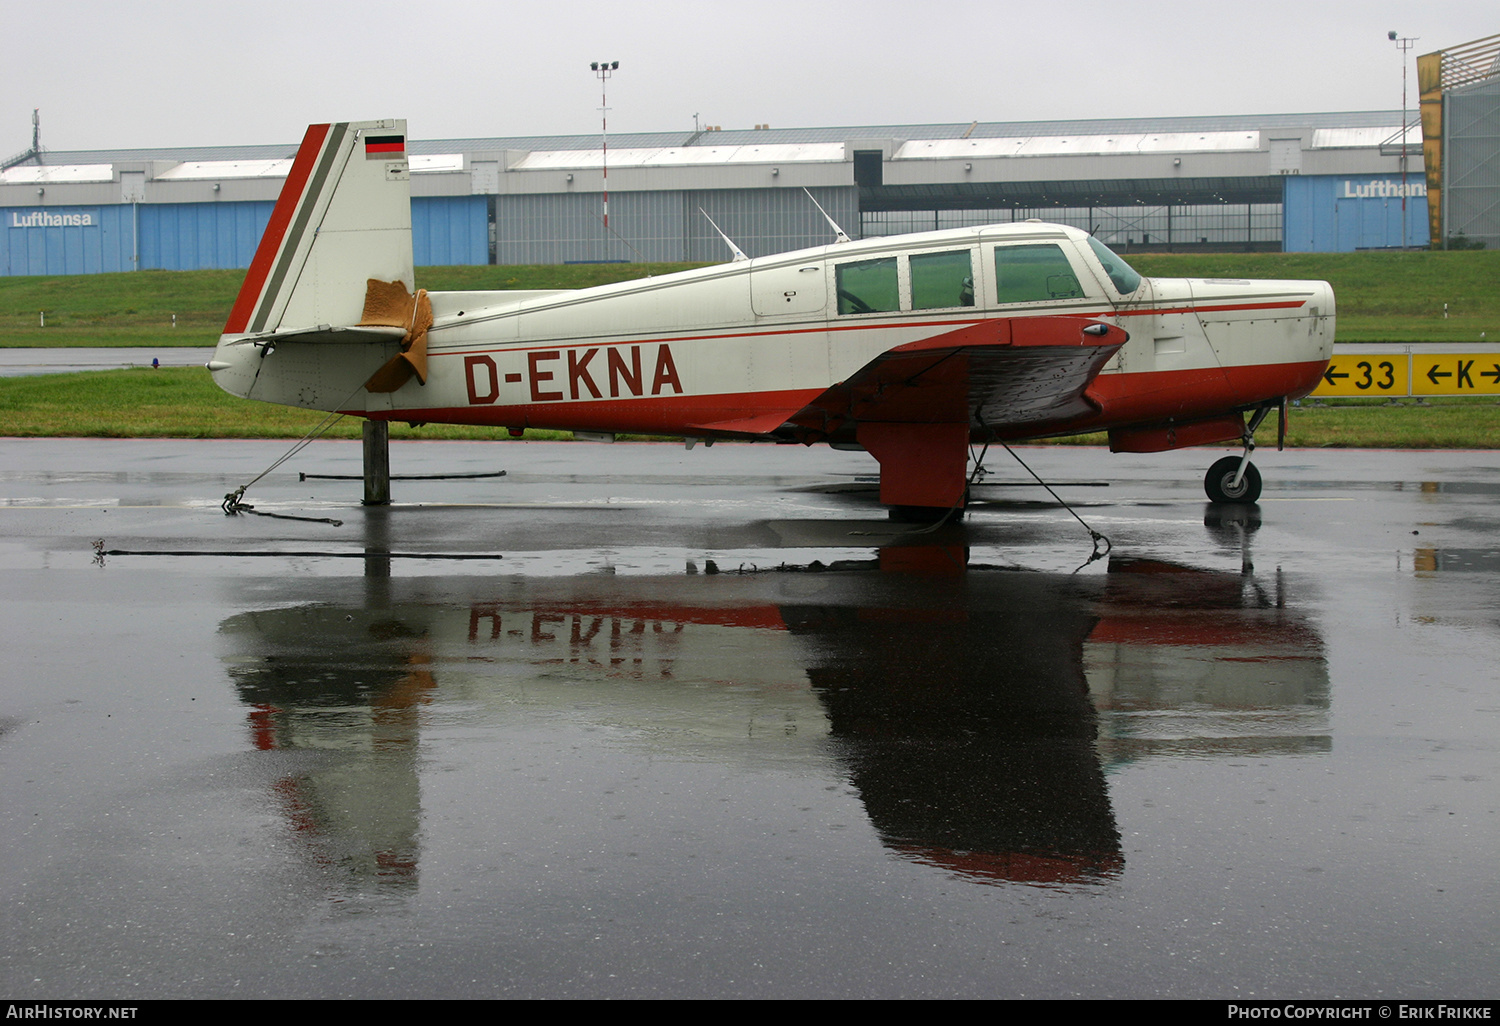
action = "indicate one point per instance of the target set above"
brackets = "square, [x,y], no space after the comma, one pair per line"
[913,347]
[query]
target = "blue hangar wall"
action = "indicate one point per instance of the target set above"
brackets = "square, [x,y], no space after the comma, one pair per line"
[200,236]
[1342,213]
[1321,213]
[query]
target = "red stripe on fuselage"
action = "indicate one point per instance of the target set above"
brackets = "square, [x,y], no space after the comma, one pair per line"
[281,218]
[1291,304]
[488,348]
[565,343]
[646,415]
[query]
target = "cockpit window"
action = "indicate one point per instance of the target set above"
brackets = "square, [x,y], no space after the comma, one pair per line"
[1033,274]
[868,286]
[941,280]
[1122,274]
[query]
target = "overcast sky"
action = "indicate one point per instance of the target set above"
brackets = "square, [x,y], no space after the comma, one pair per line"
[115,73]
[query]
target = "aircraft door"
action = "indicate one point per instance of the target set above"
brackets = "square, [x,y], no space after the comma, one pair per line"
[781,289]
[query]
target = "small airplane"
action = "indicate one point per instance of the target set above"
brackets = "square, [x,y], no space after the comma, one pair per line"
[912,347]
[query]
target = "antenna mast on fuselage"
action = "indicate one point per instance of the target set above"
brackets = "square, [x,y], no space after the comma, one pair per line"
[739,254]
[838,232]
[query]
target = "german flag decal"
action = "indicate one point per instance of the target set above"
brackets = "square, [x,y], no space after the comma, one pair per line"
[385,147]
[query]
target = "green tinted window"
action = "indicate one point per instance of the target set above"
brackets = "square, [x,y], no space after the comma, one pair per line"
[1033,274]
[869,286]
[1122,274]
[941,279]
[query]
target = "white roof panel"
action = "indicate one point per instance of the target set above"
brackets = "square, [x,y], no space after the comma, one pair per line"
[1077,145]
[1364,138]
[220,170]
[29,173]
[197,170]
[683,156]
[423,163]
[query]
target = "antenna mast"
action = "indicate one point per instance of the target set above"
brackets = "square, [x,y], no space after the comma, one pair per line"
[35,153]
[838,233]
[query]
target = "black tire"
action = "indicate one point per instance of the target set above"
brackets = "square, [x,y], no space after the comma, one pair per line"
[1218,482]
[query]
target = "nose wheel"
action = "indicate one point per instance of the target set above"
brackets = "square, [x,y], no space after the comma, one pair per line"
[1225,483]
[1234,479]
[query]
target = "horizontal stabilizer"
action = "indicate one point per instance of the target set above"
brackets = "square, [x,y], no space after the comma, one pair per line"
[326,333]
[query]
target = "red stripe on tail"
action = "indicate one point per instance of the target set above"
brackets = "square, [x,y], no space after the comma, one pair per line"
[281,217]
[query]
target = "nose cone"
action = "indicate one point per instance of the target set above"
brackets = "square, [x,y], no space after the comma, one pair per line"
[1273,338]
[1323,307]
[1304,342]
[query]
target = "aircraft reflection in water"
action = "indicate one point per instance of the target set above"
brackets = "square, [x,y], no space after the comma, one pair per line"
[975,710]
[1201,663]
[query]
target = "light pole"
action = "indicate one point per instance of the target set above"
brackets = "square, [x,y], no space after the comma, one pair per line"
[1405,43]
[603,70]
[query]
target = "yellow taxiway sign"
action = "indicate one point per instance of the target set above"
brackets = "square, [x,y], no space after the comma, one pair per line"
[1469,374]
[1398,374]
[1386,374]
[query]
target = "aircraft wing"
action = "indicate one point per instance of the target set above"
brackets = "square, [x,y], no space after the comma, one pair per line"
[1002,374]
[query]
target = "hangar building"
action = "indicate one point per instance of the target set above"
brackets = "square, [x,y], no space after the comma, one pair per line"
[1460,90]
[1307,182]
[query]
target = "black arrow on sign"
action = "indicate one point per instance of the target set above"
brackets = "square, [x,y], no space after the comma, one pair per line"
[1492,373]
[1433,374]
[1329,375]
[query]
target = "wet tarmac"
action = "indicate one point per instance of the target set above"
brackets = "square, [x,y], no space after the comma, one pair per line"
[632,721]
[24,362]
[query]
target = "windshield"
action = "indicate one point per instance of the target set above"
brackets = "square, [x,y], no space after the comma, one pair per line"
[1122,274]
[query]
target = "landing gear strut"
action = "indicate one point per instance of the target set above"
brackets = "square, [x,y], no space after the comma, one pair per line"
[1234,478]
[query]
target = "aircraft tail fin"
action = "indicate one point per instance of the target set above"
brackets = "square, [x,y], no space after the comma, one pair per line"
[343,217]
